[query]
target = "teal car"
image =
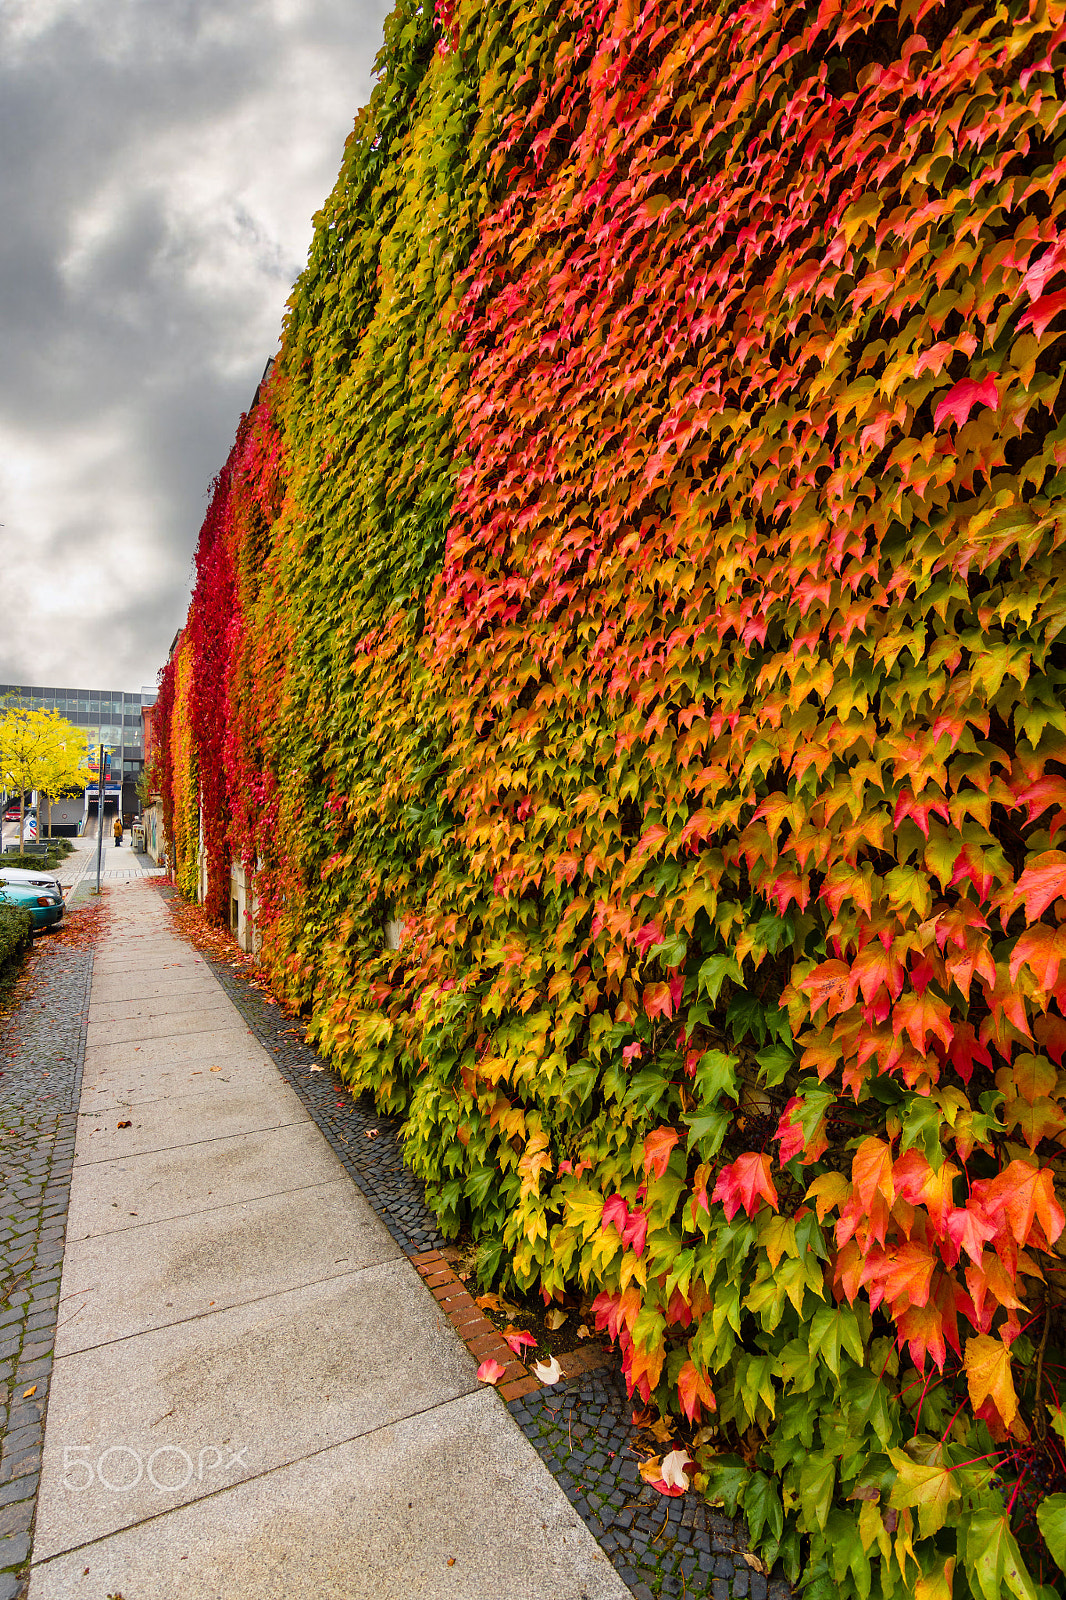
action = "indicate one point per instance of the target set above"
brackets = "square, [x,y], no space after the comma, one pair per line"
[45,906]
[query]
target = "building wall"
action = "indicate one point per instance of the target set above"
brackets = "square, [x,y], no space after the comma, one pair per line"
[242,910]
[111,716]
[154,837]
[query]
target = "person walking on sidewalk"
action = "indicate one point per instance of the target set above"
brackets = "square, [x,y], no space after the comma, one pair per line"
[117,830]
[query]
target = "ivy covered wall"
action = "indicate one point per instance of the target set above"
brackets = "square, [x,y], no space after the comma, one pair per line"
[643,575]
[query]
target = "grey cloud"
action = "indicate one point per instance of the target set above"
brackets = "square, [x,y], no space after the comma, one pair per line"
[162,161]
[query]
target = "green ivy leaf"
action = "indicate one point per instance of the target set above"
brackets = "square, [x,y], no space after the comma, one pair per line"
[816,1480]
[714,973]
[672,952]
[726,1478]
[716,1074]
[1051,1520]
[921,1126]
[708,1129]
[762,1508]
[646,1089]
[993,1559]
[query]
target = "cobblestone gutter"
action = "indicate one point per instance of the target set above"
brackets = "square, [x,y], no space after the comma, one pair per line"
[659,1545]
[582,1429]
[42,1048]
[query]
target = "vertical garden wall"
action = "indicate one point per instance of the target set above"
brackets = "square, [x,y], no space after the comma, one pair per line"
[643,577]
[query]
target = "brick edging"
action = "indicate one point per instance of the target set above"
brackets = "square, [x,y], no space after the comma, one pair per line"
[482,1339]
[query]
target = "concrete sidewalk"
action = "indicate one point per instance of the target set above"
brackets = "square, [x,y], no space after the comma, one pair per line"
[253,1393]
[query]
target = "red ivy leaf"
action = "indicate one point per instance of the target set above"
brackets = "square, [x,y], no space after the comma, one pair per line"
[743,1183]
[961,399]
[1043,311]
[615,1213]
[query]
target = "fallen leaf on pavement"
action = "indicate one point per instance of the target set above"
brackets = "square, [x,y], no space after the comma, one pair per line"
[548,1371]
[754,1562]
[27,1394]
[675,1467]
[520,1341]
[488,1302]
[490,1371]
[370,1133]
[125,1124]
[667,1473]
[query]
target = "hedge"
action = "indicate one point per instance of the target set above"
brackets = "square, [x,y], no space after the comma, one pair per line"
[16,937]
[643,578]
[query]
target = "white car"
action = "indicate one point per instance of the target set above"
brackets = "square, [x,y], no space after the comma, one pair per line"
[31,878]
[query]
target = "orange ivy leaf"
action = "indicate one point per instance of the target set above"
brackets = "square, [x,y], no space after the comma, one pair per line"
[1043,881]
[658,1001]
[1041,949]
[901,1275]
[827,985]
[876,968]
[829,1193]
[694,1391]
[922,1015]
[657,1148]
[871,1172]
[988,1375]
[1022,1195]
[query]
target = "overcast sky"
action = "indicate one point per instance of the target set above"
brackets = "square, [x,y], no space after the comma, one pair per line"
[160,162]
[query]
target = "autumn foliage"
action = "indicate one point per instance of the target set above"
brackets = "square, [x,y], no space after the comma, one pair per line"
[643,578]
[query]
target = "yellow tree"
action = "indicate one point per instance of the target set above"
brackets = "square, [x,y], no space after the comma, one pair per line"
[66,767]
[40,750]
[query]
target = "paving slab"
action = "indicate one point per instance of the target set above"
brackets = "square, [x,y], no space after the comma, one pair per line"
[380,1516]
[176,954]
[118,1284]
[145,967]
[144,987]
[131,1087]
[216,1046]
[215,1110]
[201,1019]
[133,1190]
[178,1406]
[182,998]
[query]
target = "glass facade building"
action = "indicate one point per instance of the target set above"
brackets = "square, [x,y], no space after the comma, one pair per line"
[110,717]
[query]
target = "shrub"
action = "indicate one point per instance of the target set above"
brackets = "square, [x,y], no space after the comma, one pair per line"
[16,937]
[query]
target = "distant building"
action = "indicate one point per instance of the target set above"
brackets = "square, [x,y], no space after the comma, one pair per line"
[111,718]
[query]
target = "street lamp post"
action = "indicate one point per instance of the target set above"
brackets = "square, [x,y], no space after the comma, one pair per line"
[100,820]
